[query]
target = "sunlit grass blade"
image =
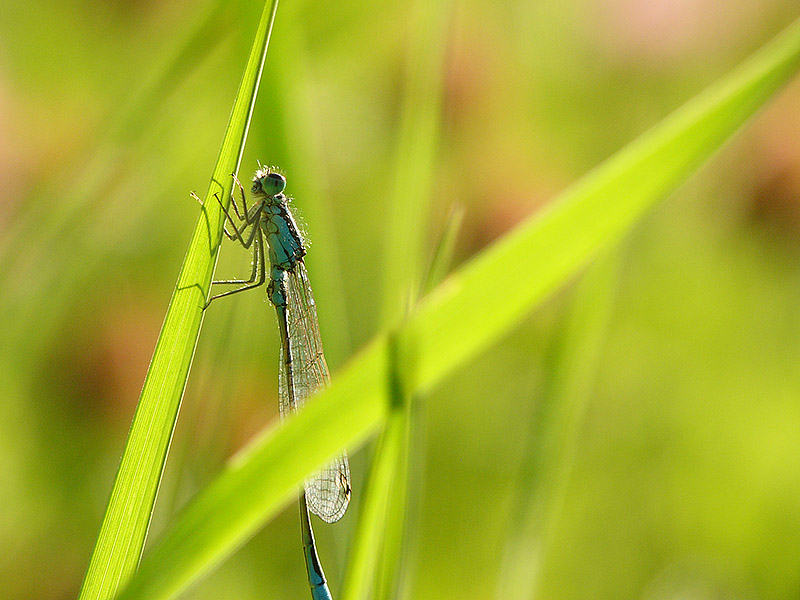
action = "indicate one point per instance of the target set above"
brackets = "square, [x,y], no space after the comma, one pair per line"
[461,317]
[414,160]
[124,528]
[553,435]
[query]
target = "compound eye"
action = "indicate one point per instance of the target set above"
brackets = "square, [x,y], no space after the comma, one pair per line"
[273,184]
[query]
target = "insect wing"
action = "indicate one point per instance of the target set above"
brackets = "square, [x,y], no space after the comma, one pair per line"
[327,490]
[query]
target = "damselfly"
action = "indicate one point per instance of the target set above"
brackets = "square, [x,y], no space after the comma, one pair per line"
[270,229]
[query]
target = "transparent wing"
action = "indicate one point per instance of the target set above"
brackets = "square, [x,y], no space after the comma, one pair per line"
[327,490]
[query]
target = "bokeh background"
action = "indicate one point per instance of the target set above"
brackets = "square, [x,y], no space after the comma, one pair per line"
[682,478]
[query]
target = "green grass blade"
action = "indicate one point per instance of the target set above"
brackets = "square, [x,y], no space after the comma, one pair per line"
[414,162]
[445,248]
[367,542]
[383,474]
[409,204]
[554,433]
[394,453]
[124,528]
[465,314]
[377,537]
[378,542]
[461,317]
[300,152]
[399,518]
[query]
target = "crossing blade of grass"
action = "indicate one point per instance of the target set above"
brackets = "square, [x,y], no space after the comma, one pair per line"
[459,318]
[124,528]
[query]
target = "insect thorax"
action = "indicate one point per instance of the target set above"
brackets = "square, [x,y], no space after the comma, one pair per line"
[286,245]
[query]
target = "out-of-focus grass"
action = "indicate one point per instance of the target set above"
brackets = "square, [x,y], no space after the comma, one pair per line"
[686,467]
[450,326]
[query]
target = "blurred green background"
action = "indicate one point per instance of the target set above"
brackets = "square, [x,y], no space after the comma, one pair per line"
[683,478]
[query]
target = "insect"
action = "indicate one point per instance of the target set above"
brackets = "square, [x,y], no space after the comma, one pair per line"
[269,228]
